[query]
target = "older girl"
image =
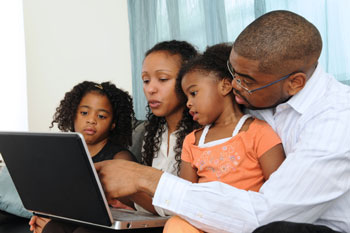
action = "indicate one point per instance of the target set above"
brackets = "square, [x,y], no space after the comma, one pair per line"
[103,114]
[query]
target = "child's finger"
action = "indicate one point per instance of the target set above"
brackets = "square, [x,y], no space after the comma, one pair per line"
[41,221]
[32,220]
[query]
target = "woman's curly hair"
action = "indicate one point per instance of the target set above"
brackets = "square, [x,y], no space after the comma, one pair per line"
[123,113]
[155,126]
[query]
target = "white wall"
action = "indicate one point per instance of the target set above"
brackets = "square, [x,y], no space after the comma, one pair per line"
[13,91]
[68,41]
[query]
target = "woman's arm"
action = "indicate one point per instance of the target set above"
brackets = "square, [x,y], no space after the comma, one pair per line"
[271,160]
[188,172]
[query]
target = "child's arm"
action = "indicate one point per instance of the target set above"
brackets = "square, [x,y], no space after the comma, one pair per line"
[271,160]
[188,172]
[124,155]
[37,223]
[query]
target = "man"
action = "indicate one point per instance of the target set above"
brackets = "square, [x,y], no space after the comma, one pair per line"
[274,62]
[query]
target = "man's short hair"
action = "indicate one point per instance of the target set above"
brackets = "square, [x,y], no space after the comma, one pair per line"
[280,41]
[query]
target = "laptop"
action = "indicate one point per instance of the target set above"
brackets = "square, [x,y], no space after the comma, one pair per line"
[55,178]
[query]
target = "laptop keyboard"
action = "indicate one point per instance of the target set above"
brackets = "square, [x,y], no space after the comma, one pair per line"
[122,214]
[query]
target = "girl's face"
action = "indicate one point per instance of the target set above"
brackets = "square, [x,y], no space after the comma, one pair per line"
[93,118]
[204,98]
[159,72]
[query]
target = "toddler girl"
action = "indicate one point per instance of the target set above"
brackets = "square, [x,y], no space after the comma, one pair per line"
[232,147]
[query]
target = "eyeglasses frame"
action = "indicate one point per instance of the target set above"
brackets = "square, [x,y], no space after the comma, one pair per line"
[239,82]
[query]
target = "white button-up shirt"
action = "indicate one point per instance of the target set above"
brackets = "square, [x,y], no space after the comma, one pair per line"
[164,160]
[312,185]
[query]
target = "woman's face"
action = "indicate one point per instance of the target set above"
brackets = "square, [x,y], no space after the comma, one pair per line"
[159,73]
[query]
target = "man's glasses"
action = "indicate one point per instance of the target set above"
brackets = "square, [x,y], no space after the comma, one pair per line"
[241,85]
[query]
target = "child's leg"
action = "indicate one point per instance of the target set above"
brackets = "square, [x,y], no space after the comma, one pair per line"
[178,225]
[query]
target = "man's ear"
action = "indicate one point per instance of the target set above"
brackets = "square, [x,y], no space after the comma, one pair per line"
[226,86]
[296,82]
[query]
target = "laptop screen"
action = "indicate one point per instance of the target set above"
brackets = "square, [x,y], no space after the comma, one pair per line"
[54,175]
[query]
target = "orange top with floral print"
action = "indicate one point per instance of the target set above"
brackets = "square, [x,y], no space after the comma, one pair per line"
[236,161]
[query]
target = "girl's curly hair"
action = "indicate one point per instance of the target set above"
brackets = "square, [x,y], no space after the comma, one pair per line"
[214,59]
[155,126]
[123,113]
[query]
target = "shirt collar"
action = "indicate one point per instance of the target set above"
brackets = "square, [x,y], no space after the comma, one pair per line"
[314,88]
[166,131]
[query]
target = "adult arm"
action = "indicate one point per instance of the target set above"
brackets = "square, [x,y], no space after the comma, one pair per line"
[141,198]
[124,202]
[144,200]
[313,178]
[122,178]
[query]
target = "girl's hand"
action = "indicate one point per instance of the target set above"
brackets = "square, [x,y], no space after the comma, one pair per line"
[37,224]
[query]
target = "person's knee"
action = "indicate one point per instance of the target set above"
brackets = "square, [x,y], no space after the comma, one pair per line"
[178,225]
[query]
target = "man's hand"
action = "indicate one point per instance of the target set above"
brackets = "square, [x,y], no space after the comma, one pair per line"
[121,178]
[120,205]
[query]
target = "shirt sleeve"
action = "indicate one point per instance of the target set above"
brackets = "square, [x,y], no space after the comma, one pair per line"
[186,154]
[265,137]
[313,178]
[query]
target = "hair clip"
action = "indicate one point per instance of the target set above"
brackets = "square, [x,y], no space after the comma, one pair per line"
[99,86]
